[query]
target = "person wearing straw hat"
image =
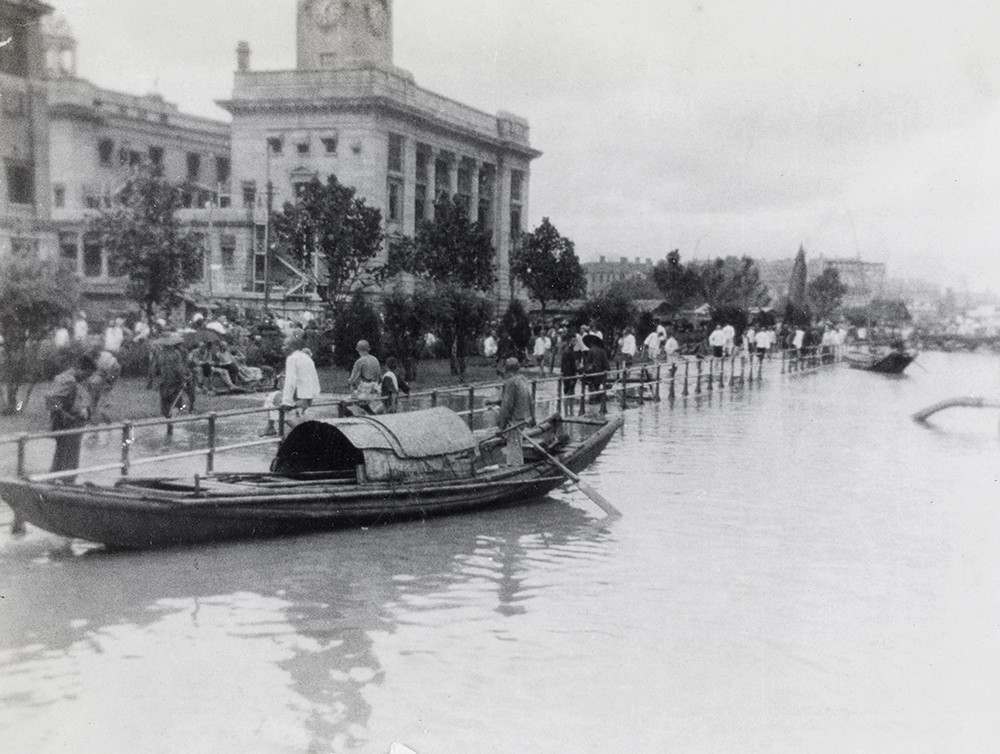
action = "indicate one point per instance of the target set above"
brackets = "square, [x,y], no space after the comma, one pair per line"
[69,404]
[515,409]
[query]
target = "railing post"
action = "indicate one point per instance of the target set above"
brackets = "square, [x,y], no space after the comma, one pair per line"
[559,396]
[22,455]
[624,381]
[722,373]
[583,397]
[126,445]
[210,456]
[281,422]
[659,375]
[783,360]
[434,398]
[534,400]
[472,406]
[687,364]
[697,379]
[711,374]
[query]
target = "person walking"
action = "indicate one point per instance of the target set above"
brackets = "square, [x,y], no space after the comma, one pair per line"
[175,378]
[366,378]
[717,341]
[301,381]
[69,404]
[515,410]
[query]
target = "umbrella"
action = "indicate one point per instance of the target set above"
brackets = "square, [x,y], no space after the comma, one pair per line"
[202,336]
[592,340]
[168,339]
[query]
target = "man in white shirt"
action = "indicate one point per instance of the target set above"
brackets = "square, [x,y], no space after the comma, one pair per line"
[763,341]
[628,346]
[301,380]
[717,340]
[652,346]
[729,333]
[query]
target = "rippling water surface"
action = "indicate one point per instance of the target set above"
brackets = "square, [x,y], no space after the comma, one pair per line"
[799,567]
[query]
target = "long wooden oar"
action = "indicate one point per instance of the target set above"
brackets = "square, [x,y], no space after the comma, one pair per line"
[585,488]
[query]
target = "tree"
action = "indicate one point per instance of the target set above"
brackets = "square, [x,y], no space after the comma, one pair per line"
[407,319]
[679,286]
[146,243]
[546,263]
[515,330]
[330,225]
[611,312]
[826,293]
[448,249]
[456,256]
[35,296]
[357,321]
[797,307]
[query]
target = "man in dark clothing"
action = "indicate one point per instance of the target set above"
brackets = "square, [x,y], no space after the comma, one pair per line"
[595,365]
[175,378]
[69,404]
[569,367]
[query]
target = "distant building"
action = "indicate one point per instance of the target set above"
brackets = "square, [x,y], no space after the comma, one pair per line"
[24,151]
[865,281]
[602,273]
[97,137]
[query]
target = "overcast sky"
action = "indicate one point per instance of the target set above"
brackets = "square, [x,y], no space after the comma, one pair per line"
[861,127]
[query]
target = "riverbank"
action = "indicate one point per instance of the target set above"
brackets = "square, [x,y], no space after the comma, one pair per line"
[130,400]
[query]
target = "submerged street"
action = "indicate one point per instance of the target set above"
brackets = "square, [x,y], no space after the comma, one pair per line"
[799,567]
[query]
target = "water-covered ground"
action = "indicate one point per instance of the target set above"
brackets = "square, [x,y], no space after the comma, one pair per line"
[799,567]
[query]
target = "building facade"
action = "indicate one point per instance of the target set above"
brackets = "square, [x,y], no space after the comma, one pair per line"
[24,131]
[346,110]
[602,273]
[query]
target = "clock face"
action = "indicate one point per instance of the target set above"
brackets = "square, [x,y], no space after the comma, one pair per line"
[326,12]
[378,18]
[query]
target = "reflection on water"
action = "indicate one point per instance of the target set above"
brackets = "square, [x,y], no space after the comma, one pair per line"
[799,567]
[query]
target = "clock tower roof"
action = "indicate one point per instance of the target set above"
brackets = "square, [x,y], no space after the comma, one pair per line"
[344,34]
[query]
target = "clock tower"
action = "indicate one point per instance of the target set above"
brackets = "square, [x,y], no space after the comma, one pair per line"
[343,34]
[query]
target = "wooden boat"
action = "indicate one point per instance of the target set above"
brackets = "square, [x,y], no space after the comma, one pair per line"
[326,474]
[882,359]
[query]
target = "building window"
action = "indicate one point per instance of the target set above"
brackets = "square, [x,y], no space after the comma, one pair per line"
[249,193]
[227,251]
[92,257]
[156,157]
[20,183]
[515,222]
[442,180]
[302,147]
[67,248]
[222,169]
[58,195]
[516,185]
[193,166]
[420,203]
[329,144]
[274,144]
[14,57]
[105,152]
[487,181]
[395,214]
[395,153]
[24,247]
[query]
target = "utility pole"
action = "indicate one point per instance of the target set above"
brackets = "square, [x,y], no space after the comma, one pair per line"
[267,247]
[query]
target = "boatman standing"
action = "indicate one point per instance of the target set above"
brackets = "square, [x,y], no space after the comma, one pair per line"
[366,378]
[301,381]
[515,409]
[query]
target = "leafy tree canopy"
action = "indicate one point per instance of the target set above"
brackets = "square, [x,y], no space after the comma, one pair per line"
[35,297]
[547,264]
[448,249]
[826,293]
[146,243]
[329,224]
[722,282]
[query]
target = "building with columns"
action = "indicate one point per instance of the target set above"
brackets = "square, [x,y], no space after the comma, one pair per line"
[24,131]
[347,110]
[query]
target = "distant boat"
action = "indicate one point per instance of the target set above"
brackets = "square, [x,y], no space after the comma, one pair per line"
[883,359]
[326,474]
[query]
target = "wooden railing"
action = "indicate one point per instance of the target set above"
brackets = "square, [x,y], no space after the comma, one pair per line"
[618,387]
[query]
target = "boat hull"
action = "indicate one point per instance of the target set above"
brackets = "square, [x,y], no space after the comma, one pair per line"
[136,517]
[893,362]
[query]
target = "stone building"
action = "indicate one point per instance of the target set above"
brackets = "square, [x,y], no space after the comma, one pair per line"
[96,137]
[602,273]
[24,134]
[347,110]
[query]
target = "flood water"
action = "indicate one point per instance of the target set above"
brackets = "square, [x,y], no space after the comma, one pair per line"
[799,567]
